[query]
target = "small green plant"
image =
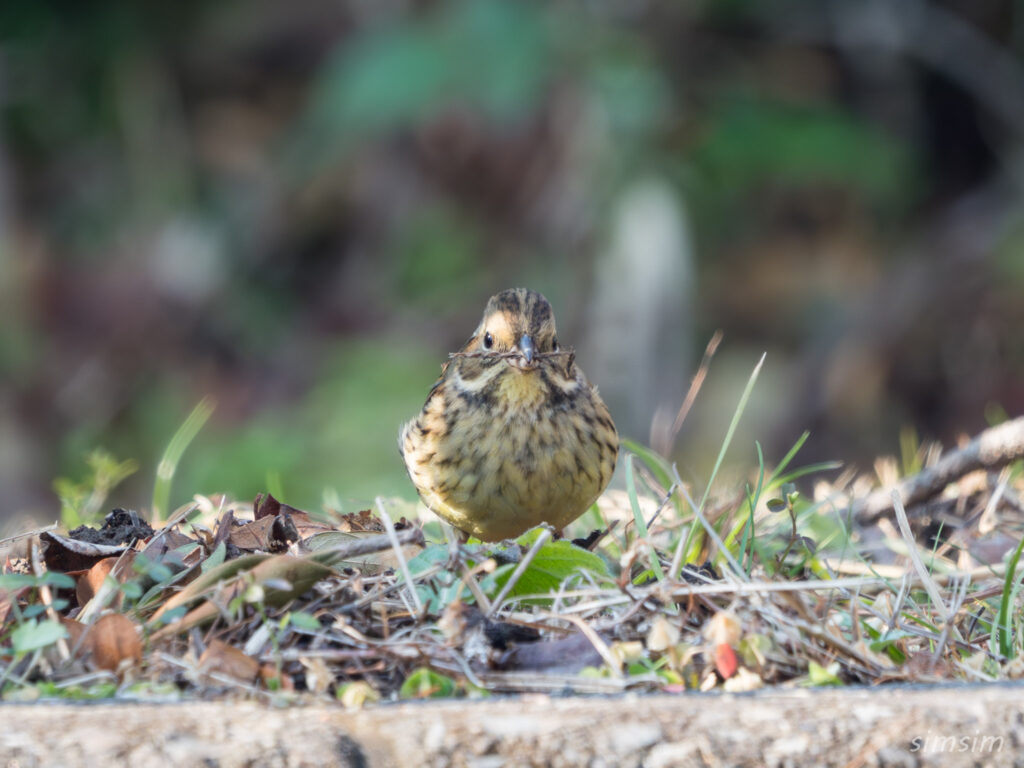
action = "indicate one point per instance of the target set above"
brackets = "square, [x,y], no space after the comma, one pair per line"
[81,502]
[425,683]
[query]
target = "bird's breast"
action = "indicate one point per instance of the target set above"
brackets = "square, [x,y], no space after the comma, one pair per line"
[521,390]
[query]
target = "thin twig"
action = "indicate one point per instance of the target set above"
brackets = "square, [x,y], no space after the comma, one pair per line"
[514,353]
[28,534]
[995,447]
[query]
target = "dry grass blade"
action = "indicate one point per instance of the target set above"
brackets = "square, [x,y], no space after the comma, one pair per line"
[915,557]
[517,574]
[399,555]
[695,386]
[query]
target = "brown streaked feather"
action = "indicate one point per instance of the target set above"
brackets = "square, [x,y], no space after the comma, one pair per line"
[499,448]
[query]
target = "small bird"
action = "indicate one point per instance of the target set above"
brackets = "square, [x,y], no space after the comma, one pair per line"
[512,435]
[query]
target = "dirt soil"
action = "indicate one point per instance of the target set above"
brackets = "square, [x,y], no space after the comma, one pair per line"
[889,726]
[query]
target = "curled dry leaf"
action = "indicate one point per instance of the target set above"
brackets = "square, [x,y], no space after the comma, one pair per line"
[723,627]
[628,652]
[662,635]
[64,554]
[89,582]
[744,680]
[114,642]
[224,659]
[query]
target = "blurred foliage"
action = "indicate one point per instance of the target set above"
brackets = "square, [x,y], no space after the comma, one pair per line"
[82,501]
[752,145]
[491,56]
[298,210]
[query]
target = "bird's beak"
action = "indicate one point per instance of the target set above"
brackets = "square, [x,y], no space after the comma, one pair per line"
[526,347]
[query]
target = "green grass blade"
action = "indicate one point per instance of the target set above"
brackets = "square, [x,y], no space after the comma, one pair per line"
[789,456]
[172,455]
[1003,626]
[748,529]
[684,545]
[810,469]
[740,407]
[638,518]
[660,468]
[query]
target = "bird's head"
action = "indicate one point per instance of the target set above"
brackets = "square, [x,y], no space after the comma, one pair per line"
[519,327]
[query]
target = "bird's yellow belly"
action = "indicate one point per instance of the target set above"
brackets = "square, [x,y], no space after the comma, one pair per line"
[522,470]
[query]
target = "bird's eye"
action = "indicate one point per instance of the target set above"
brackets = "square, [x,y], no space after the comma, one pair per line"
[554,345]
[488,341]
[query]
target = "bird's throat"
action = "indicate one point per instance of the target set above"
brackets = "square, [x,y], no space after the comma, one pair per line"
[522,388]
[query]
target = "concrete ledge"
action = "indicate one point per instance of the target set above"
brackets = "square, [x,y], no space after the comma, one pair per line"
[892,726]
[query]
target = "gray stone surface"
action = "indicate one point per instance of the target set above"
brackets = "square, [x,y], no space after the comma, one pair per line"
[890,726]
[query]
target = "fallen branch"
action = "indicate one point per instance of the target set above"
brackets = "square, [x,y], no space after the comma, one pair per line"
[994,448]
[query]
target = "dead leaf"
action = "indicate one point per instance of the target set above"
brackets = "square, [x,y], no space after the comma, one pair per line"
[355,695]
[268,534]
[89,582]
[662,635]
[726,662]
[75,630]
[743,681]
[266,505]
[370,564]
[113,642]
[282,578]
[723,628]
[225,659]
[66,554]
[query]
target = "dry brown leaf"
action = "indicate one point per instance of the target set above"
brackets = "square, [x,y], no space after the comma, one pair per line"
[225,659]
[723,628]
[662,635]
[114,642]
[283,578]
[89,582]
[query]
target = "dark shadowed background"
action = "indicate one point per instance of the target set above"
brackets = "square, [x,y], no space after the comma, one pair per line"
[299,208]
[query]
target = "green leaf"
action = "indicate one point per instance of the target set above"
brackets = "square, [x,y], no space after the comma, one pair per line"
[425,683]
[428,558]
[33,635]
[306,621]
[216,558]
[15,581]
[819,675]
[655,462]
[131,589]
[886,641]
[554,562]
[56,579]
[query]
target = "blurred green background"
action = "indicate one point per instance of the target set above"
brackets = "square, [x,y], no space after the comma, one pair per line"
[300,208]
